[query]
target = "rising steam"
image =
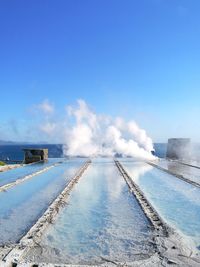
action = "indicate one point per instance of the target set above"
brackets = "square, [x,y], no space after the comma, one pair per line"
[89,134]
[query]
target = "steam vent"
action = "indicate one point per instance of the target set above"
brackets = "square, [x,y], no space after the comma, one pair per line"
[178,148]
[34,155]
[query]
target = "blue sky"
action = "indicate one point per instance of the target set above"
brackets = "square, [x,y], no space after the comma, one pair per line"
[139,59]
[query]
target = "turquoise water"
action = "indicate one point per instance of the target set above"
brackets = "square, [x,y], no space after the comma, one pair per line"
[102,221]
[23,204]
[176,201]
[18,173]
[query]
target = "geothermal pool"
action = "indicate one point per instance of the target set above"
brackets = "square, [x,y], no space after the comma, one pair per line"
[177,202]
[23,204]
[18,173]
[190,173]
[103,222]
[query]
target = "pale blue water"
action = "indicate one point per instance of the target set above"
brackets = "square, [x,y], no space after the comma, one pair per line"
[23,204]
[103,220]
[176,201]
[18,173]
[188,172]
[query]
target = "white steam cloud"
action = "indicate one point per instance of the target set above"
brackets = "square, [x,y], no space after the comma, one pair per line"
[90,134]
[85,133]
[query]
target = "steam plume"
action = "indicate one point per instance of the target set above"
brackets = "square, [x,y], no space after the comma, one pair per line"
[89,134]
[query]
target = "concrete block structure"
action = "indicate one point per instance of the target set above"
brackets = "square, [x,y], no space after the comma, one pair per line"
[35,155]
[178,148]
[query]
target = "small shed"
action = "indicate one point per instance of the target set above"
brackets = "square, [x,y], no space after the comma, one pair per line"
[35,155]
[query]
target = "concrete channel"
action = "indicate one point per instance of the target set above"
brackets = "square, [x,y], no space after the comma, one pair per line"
[11,176]
[13,256]
[3,188]
[189,164]
[175,174]
[170,249]
[103,222]
[150,212]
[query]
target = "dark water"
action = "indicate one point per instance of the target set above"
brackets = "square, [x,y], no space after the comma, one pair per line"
[15,152]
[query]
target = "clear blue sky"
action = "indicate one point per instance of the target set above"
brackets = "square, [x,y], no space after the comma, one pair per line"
[139,59]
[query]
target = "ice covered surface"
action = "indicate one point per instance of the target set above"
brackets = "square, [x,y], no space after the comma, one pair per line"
[102,221]
[188,172]
[21,205]
[176,201]
[15,174]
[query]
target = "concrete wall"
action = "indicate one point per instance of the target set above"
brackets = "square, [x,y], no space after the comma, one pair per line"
[178,148]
